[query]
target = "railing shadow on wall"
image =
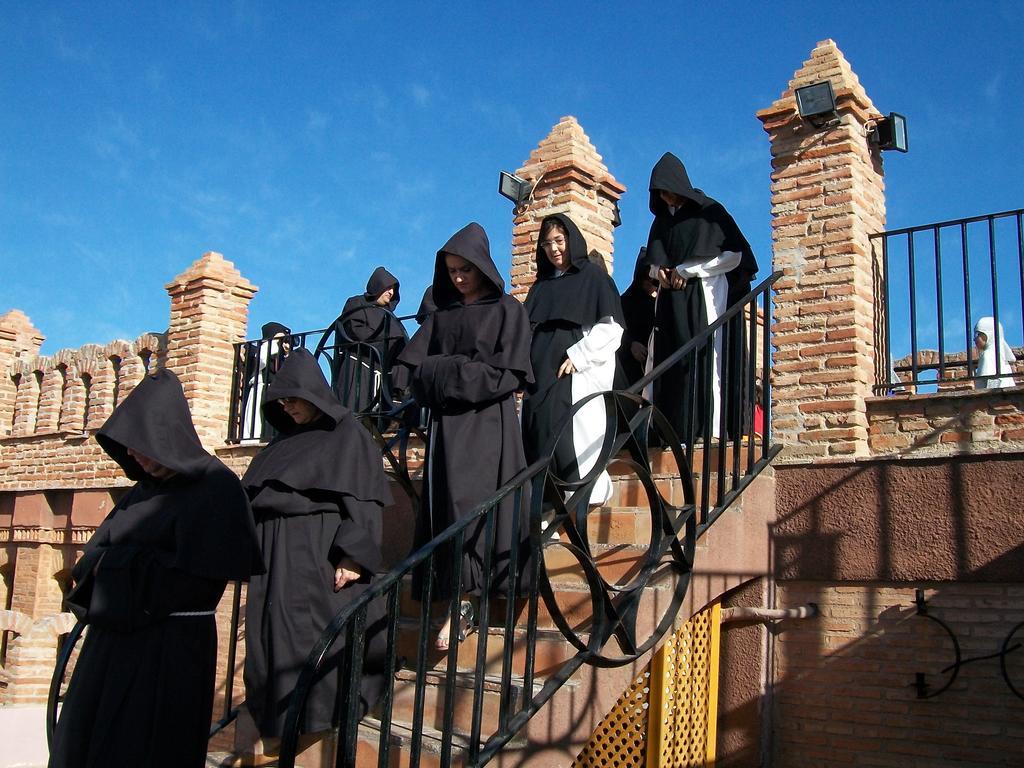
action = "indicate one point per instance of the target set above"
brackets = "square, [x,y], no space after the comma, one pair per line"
[548,512]
[935,282]
[871,657]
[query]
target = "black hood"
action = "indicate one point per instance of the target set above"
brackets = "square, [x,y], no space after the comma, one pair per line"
[670,175]
[155,421]
[270,330]
[575,242]
[379,282]
[471,244]
[300,376]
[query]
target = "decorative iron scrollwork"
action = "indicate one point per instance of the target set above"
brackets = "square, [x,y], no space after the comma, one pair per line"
[632,424]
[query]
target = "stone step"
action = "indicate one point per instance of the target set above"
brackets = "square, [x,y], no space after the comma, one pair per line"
[435,691]
[552,650]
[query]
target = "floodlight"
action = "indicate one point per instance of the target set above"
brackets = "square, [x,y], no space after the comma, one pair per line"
[514,188]
[891,133]
[816,103]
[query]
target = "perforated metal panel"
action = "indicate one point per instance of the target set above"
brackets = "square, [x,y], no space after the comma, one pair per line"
[620,738]
[666,718]
[684,701]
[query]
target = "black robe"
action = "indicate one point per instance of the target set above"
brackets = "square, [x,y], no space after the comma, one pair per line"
[638,312]
[317,492]
[368,338]
[468,362]
[561,309]
[142,690]
[427,306]
[700,230]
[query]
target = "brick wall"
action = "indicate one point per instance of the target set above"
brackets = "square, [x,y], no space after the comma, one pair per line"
[947,423]
[844,686]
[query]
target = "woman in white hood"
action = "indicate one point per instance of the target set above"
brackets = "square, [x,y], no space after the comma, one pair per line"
[995,361]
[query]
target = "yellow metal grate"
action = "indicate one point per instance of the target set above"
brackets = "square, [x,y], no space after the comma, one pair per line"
[666,717]
[619,739]
[684,701]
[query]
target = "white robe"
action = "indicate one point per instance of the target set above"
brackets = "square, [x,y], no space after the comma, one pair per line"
[593,357]
[994,361]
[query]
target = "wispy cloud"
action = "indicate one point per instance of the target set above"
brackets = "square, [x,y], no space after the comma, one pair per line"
[993,88]
[317,123]
[67,48]
[420,95]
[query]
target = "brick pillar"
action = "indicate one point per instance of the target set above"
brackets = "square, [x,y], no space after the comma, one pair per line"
[570,178]
[19,339]
[827,199]
[209,311]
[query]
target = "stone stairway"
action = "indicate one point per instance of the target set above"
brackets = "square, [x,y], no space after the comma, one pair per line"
[619,535]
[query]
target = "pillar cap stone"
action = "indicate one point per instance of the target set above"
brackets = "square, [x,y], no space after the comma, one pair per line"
[16,326]
[213,267]
[567,146]
[827,62]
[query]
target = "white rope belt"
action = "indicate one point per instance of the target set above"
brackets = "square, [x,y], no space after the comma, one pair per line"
[192,613]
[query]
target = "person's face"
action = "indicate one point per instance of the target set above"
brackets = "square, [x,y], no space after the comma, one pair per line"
[671,199]
[301,411]
[556,248]
[466,278]
[154,469]
[980,341]
[385,298]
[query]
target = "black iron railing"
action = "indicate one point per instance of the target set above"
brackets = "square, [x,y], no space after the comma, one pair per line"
[359,369]
[686,485]
[557,516]
[936,281]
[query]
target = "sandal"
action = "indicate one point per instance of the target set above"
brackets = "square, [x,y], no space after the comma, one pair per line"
[466,626]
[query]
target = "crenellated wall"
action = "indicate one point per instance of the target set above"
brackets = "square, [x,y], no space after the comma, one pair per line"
[75,390]
[56,484]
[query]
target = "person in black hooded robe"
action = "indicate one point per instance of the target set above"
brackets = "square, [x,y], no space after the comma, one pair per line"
[469,359]
[638,311]
[263,358]
[317,492]
[577,324]
[368,338]
[703,264]
[147,586]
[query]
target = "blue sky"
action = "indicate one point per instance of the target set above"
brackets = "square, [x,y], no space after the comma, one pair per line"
[310,142]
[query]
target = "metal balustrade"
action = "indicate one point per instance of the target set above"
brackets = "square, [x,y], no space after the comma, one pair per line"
[705,474]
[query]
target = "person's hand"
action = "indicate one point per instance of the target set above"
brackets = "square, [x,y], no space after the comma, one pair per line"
[665,277]
[566,368]
[639,351]
[676,281]
[347,572]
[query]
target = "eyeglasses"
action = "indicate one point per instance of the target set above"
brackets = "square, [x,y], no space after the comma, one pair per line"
[547,245]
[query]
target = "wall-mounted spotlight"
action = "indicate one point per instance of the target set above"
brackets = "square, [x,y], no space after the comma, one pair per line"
[890,133]
[616,214]
[514,188]
[816,104]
